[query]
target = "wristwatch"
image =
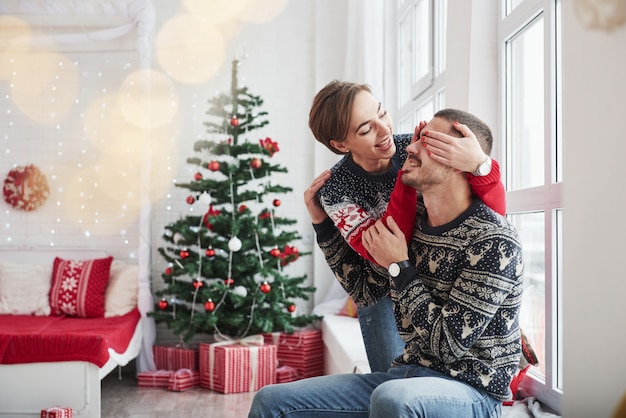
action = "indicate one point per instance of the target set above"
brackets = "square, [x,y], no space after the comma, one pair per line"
[395,268]
[484,168]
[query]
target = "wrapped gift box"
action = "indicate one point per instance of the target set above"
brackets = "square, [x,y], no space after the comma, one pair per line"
[56,412]
[303,350]
[175,357]
[286,374]
[183,379]
[154,378]
[228,367]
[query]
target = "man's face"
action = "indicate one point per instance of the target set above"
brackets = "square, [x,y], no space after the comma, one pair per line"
[423,172]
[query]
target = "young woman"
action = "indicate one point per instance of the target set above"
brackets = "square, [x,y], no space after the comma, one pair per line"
[357,190]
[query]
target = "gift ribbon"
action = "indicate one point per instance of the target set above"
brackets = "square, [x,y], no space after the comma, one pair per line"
[253,342]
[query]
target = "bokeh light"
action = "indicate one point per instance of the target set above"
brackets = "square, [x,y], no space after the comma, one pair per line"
[148,99]
[260,11]
[216,11]
[190,49]
[44,85]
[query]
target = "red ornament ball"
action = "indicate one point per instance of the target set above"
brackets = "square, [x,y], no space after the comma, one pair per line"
[265,287]
[198,284]
[209,305]
[291,308]
[275,252]
[229,281]
[184,254]
[191,199]
[256,163]
[214,165]
[197,176]
[210,252]
[168,270]
[234,121]
[163,304]
[242,208]
[276,202]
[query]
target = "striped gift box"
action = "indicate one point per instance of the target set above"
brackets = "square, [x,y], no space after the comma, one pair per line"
[154,378]
[183,379]
[228,367]
[175,357]
[303,350]
[56,412]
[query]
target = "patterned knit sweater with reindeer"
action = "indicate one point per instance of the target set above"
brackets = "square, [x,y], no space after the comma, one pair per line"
[457,306]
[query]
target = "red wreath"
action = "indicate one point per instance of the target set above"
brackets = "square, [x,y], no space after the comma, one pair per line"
[25,188]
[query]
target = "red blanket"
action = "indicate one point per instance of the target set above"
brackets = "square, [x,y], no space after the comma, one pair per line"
[31,339]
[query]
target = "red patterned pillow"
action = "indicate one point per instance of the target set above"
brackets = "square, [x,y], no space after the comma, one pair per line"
[78,287]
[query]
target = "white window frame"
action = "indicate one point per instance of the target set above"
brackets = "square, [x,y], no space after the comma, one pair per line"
[427,92]
[546,198]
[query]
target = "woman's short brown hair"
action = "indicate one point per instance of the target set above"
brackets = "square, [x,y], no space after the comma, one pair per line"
[329,117]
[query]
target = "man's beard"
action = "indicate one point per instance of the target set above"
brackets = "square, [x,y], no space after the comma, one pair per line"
[427,178]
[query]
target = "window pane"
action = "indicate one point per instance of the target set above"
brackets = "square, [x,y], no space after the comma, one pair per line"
[422,38]
[441,14]
[405,56]
[559,296]
[425,111]
[559,90]
[511,5]
[406,125]
[526,121]
[531,229]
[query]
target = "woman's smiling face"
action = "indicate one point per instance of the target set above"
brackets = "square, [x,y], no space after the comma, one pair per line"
[370,137]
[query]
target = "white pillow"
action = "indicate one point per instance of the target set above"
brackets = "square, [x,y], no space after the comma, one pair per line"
[24,288]
[122,290]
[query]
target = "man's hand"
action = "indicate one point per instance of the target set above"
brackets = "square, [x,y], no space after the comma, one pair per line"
[385,243]
[312,202]
[463,154]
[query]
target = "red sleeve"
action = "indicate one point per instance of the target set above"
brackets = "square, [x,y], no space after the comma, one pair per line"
[490,189]
[402,207]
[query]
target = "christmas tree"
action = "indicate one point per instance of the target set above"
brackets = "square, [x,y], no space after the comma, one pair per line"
[226,268]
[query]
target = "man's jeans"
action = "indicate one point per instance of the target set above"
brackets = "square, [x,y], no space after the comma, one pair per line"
[403,391]
[380,334]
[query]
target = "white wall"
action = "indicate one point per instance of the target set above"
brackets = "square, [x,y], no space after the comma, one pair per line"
[594,102]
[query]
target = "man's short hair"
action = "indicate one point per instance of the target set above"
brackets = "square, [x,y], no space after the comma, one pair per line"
[477,126]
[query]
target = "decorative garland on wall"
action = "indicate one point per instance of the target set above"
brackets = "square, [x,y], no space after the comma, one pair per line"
[25,188]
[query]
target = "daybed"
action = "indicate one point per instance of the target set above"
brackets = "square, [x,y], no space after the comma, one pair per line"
[52,358]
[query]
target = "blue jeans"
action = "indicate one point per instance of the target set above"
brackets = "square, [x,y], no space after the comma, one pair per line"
[380,334]
[403,391]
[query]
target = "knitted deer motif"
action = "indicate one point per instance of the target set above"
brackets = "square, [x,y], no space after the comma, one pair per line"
[475,257]
[505,259]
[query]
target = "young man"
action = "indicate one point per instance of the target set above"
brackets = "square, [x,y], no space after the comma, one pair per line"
[456,291]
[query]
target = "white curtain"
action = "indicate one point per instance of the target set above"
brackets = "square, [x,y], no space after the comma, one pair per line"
[350,46]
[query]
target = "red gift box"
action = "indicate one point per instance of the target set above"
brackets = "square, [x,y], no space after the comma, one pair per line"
[231,367]
[286,374]
[175,357]
[154,378]
[56,412]
[303,350]
[183,379]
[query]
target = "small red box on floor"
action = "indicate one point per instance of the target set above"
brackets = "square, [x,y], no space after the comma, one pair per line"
[286,374]
[175,358]
[183,379]
[303,350]
[56,412]
[228,367]
[154,378]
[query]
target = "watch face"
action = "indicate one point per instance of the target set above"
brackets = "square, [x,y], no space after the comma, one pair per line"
[394,269]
